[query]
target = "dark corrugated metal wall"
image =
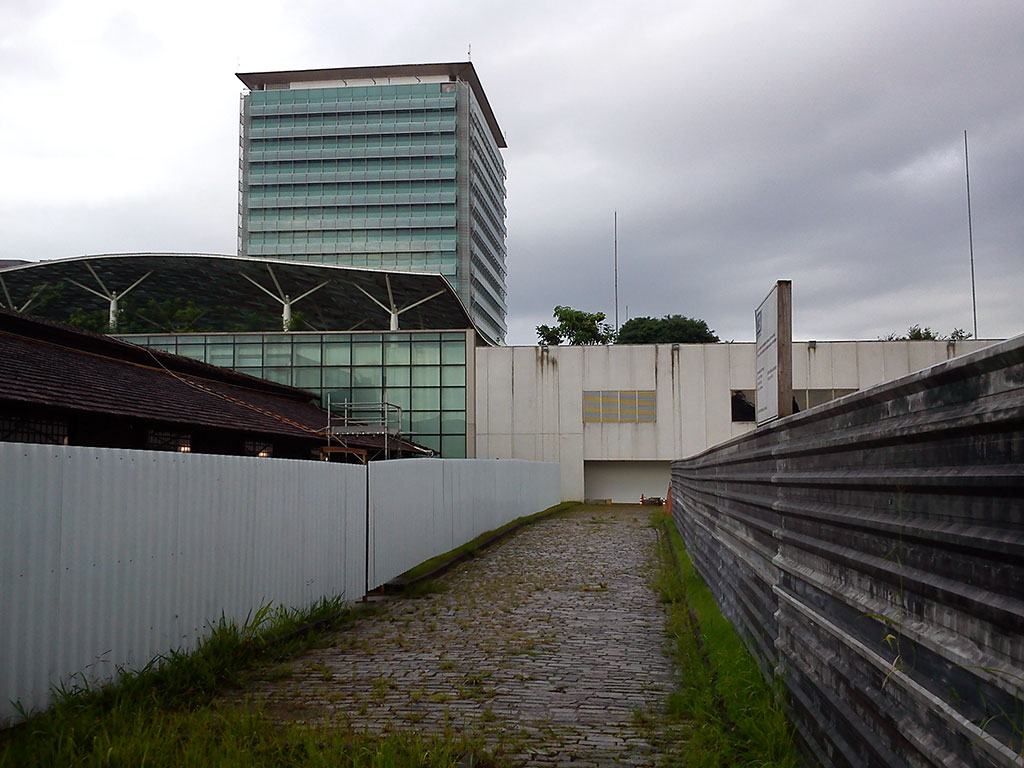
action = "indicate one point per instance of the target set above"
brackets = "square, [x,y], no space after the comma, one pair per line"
[872,553]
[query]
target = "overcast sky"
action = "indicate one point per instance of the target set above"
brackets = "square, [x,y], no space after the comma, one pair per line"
[740,143]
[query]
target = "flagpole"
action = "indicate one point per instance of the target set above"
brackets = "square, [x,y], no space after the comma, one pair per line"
[970,236]
[616,248]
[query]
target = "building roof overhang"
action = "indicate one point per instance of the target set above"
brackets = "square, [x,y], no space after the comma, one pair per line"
[461,70]
[227,288]
[63,369]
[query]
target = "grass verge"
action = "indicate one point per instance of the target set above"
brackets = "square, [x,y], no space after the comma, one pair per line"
[723,713]
[166,713]
[437,564]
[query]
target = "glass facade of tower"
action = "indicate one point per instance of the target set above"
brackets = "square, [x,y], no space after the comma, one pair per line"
[403,176]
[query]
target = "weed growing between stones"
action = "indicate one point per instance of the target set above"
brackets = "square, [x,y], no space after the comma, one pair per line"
[242,738]
[723,712]
[425,589]
[167,713]
[472,548]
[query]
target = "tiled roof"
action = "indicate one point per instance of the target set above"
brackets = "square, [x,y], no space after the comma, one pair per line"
[53,332]
[52,365]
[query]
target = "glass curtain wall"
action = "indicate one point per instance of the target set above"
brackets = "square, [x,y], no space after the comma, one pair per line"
[405,176]
[424,373]
[486,225]
[363,175]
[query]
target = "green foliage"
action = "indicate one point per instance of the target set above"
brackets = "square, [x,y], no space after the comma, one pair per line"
[175,315]
[723,712]
[576,327]
[237,737]
[917,333]
[671,329]
[168,316]
[50,300]
[97,322]
[256,320]
[44,295]
[171,316]
[167,713]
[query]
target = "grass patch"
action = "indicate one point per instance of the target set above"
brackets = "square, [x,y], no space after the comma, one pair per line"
[205,738]
[471,548]
[424,588]
[167,713]
[723,713]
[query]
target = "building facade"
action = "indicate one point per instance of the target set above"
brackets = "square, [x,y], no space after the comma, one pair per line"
[614,417]
[345,346]
[422,373]
[393,167]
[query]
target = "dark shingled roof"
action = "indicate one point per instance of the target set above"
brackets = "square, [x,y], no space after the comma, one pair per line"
[44,363]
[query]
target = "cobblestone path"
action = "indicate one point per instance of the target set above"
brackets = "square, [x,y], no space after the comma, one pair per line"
[549,644]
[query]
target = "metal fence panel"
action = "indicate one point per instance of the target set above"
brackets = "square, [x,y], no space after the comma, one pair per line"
[426,507]
[110,557]
[872,550]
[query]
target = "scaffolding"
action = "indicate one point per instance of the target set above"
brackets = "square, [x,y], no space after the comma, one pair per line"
[347,419]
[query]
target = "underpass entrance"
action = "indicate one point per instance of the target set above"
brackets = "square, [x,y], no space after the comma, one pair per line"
[623,482]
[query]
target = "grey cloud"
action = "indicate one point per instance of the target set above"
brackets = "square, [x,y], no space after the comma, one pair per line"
[739,143]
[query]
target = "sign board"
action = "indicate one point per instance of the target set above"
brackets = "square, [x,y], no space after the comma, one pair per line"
[774,342]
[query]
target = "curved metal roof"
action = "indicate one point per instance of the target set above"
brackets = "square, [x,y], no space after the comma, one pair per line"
[225,288]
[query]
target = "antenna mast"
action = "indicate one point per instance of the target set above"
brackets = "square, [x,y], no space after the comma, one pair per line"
[970,236]
[615,240]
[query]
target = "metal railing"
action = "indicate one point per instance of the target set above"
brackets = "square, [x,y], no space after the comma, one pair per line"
[347,418]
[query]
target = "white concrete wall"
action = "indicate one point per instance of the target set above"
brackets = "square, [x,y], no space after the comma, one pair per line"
[529,400]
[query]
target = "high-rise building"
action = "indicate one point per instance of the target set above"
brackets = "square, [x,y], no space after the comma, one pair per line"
[395,167]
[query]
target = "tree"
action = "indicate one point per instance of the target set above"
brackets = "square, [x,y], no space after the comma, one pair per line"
[96,321]
[168,316]
[917,333]
[576,327]
[671,329]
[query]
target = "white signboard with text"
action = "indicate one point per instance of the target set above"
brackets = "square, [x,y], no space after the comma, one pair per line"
[766,320]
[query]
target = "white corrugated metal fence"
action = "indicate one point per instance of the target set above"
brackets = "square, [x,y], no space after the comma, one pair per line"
[110,557]
[431,506]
